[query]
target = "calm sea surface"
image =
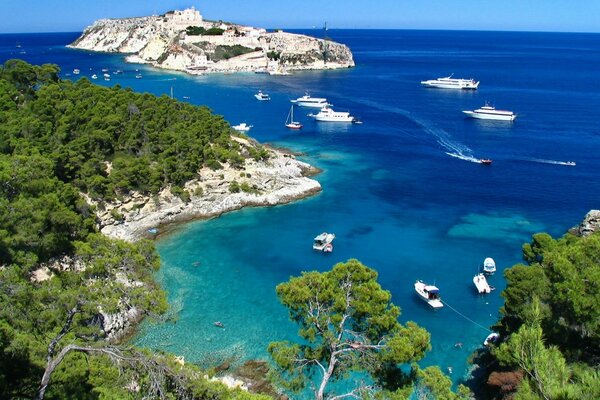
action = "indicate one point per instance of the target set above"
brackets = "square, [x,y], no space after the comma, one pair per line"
[400,191]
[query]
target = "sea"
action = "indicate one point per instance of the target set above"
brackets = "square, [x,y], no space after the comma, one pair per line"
[403,192]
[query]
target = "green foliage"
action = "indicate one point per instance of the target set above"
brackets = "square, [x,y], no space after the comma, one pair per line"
[198,30]
[224,52]
[234,187]
[563,275]
[273,55]
[347,323]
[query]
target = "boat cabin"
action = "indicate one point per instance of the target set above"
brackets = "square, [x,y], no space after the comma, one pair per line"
[433,293]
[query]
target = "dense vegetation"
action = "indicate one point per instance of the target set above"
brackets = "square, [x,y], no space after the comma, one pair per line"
[348,325]
[551,320]
[198,30]
[56,140]
[224,52]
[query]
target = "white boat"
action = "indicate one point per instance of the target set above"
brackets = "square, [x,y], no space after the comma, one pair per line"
[290,123]
[492,338]
[451,83]
[242,127]
[94,76]
[314,102]
[262,96]
[489,265]
[138,76]
[429,293]
[482,284]
[323,242]
[328,115]
[106,75]
[490,112]
[76,71]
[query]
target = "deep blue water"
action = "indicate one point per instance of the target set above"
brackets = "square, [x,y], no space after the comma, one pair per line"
[392,193]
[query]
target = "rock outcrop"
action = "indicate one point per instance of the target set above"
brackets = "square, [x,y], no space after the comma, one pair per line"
[163,42]
[278,180]
[589,225]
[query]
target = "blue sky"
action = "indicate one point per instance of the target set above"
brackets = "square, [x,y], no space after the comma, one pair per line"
[522,15]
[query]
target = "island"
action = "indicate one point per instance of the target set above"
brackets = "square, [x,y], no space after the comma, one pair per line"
[183,40]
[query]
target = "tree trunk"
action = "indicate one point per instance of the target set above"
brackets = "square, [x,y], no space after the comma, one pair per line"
[326,377]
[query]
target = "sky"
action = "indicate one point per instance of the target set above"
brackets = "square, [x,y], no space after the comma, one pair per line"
[18,16]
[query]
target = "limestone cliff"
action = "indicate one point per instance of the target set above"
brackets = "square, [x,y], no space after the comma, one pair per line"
[589,225]
[163,42]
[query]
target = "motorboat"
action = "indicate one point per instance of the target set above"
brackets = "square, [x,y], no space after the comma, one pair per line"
[76,71]
[138,76]
[492,338]
[328,248]
[106,75]
[490,112]
[451,83]
[485,161]
[242,127]
[322,241]
[429,293]
[290,123]
[314,102]
[262,96]
[482,284]
[328,115]
[489,265]
[94,76]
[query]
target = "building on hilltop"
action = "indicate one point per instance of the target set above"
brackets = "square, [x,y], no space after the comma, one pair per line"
[184,18]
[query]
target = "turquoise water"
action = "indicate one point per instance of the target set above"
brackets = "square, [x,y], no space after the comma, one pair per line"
[399,191]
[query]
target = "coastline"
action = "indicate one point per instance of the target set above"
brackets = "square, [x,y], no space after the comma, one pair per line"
[278,180]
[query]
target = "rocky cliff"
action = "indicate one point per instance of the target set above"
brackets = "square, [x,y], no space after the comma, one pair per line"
[589,225]
[164,43]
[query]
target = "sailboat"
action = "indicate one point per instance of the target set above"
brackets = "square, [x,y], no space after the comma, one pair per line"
[290,123]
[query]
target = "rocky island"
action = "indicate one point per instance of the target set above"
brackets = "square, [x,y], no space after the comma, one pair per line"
[185,41]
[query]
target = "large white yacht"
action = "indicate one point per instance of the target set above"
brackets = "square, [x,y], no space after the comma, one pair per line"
[429,293]
[314,102]
[490,112]
[328,115]
[451,83]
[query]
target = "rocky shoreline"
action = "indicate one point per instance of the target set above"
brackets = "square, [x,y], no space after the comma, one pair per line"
[278,180]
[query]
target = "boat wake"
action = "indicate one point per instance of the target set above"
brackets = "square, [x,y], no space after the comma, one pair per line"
[553,162]
[463,157]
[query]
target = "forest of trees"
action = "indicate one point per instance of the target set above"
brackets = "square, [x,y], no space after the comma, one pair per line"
[56,139]
[551,322]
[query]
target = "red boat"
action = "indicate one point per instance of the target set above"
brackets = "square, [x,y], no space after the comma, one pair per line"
[485,161]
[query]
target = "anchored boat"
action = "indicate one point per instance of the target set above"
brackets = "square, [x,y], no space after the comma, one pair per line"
[490,112]
[481,284]
[323,242]
[290,123]
[313,102]
[328,115]
[489,265]
[451,83]
[429,293]
[242,127]
[262,96]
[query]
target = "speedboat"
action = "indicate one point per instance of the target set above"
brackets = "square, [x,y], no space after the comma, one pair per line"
[242,127]
[314,102]
[482,284]
[262,96]
[328,115]
[106,75]
[138,76]
[76,71]
[485,161]
[451,83]
[429,293]
[94,76]
[489,265]
[290,123]
[490,112]
[322,241]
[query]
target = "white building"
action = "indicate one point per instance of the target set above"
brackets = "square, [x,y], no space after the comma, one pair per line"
[184,18]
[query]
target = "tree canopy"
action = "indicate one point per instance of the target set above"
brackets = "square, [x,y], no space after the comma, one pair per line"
[348,325]
[551,321]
